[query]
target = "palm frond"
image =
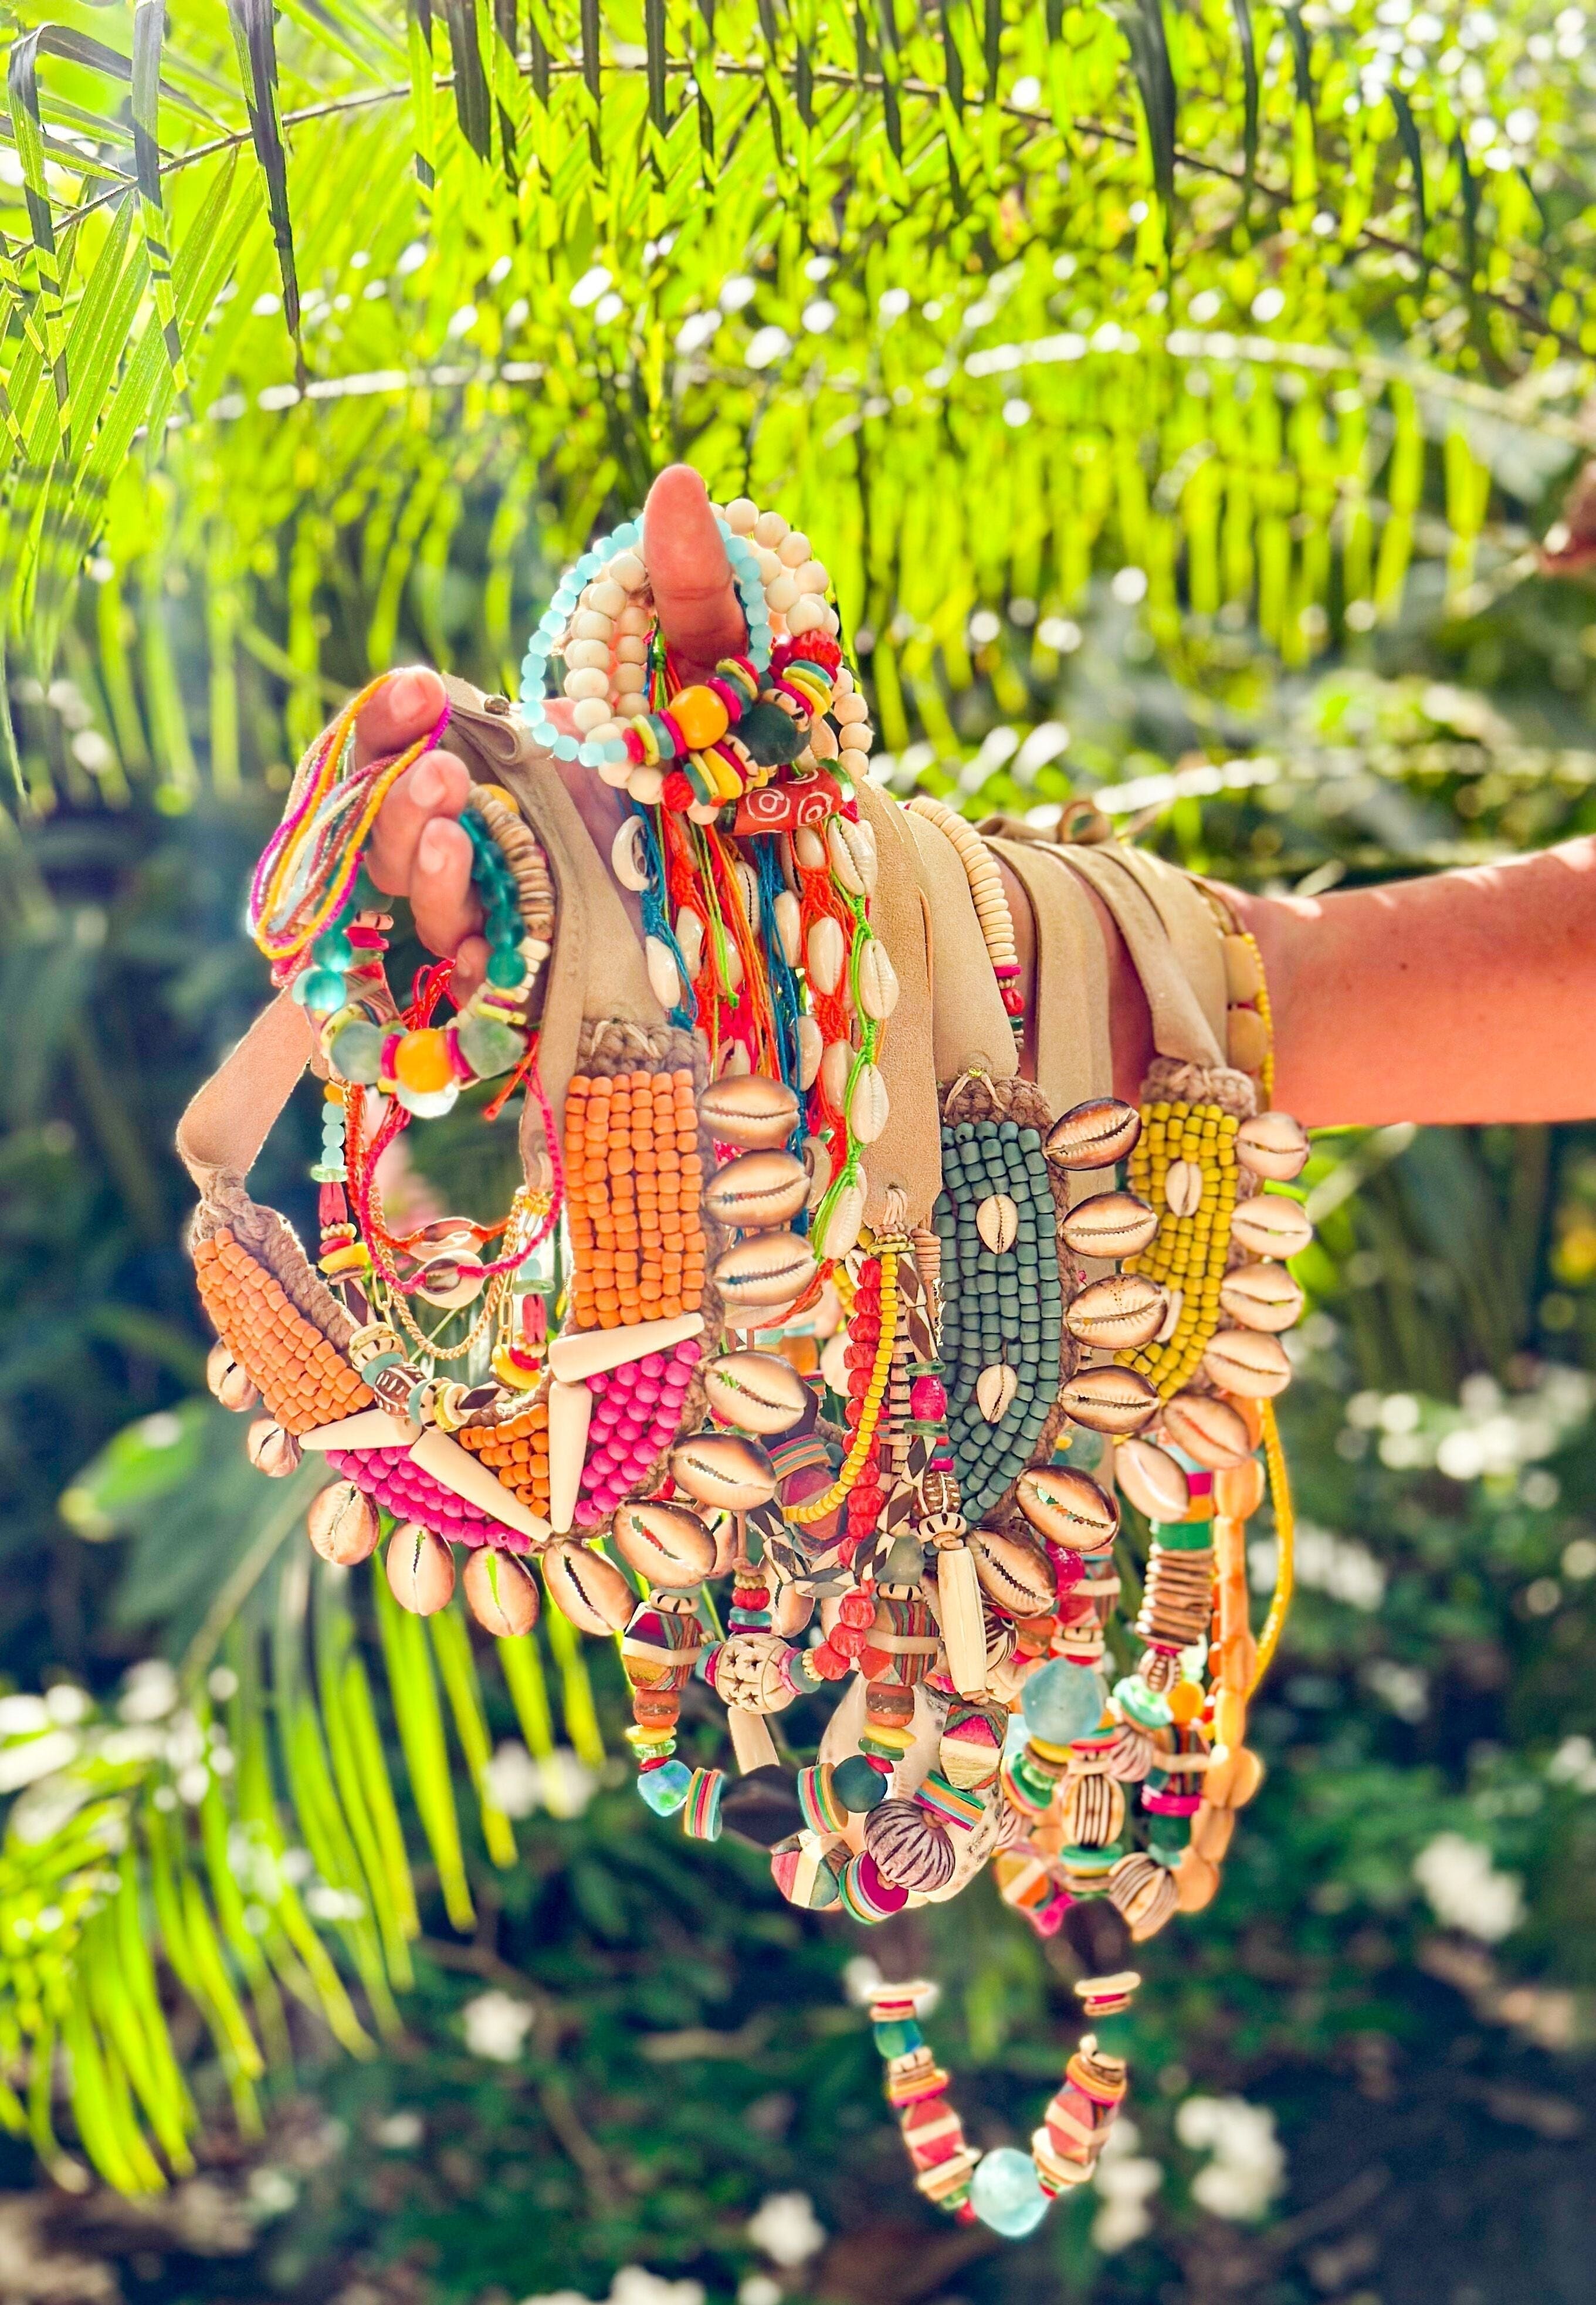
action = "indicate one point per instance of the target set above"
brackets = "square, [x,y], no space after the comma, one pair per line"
[1019,269]
[228,1833]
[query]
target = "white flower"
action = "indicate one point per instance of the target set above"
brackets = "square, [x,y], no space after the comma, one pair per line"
[633,2285]
[496,2025]
[149,1692]
[758,2289]
[767,346]
[568,1784]
[1248,2163]
[513,1781]
[1464,1889]
[401,2132]
[1126,2181]
[785,2228]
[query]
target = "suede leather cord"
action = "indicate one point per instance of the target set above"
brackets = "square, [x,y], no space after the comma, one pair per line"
[970,1028]
[596,974]
[1181,1028]
[908,1153]
[1070,1001]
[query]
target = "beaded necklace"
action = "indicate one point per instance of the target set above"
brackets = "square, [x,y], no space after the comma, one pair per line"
[940,1509]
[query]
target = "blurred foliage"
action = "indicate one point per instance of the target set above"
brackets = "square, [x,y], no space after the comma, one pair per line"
[316,320]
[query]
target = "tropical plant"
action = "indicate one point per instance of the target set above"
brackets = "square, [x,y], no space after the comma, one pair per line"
[1253,309]
[1128,363]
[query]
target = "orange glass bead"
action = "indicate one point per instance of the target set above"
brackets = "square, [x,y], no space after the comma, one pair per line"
[422,1062]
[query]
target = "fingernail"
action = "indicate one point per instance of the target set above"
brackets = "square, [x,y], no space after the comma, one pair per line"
[426,784]
[408,694]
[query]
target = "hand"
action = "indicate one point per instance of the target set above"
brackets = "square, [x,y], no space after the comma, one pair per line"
[418,849]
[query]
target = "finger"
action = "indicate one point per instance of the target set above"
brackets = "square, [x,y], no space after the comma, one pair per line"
[471,966]
[440,888]
[406,706]
[690,574]
[436,787]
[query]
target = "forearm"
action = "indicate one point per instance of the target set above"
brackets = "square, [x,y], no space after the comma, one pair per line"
[1467,997]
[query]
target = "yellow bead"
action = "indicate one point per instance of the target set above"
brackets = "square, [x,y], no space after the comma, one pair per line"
[700,716]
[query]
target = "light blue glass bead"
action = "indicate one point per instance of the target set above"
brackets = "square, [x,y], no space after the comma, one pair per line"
[625,537]
[1062,1700]
[564,748]
[664,1789]
[1005,2193]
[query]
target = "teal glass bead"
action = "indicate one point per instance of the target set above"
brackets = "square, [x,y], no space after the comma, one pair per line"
[1006,2193]
[664,1789]
[505,967]
[1061,1701]
[857,1785]
[355,1052]
[333,949]
[321,989]
[1143,1705]
[896,2039]
[488,1046]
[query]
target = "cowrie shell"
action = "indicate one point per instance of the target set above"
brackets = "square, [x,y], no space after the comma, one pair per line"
[997,1222]
[836,1066]
[689,938]
[1152,1480]
[748,881]
[1108,1224]
[1270,1225]
[840,1231]
[879,986]
[817,1160]
[501,1593]
[1069,1508]
[753,1112]
[756,1392]
[1109,1400]
[789,926]
[626,855]
[724,1471]
[1125,1310]
[589,1589]
[826,952]
[1248,1362]
[1273,1146]
[995,1390]
[853,860]
[757,1190]
[812,1048]
[767,1268]
[1262,1296]
[1175,1304]
[809,849]
[1182,1188]
[666,1544]
[1093,1134]
[664,975]
[868,1104]
[1209,1430]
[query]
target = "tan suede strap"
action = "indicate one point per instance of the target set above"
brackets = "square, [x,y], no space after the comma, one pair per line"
[1181,1029]
[907,1153]
[1187,911]
[228,1120]
[596,974]
[1070,1000]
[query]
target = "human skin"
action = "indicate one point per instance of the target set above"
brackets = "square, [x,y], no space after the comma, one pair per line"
[1466,996]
